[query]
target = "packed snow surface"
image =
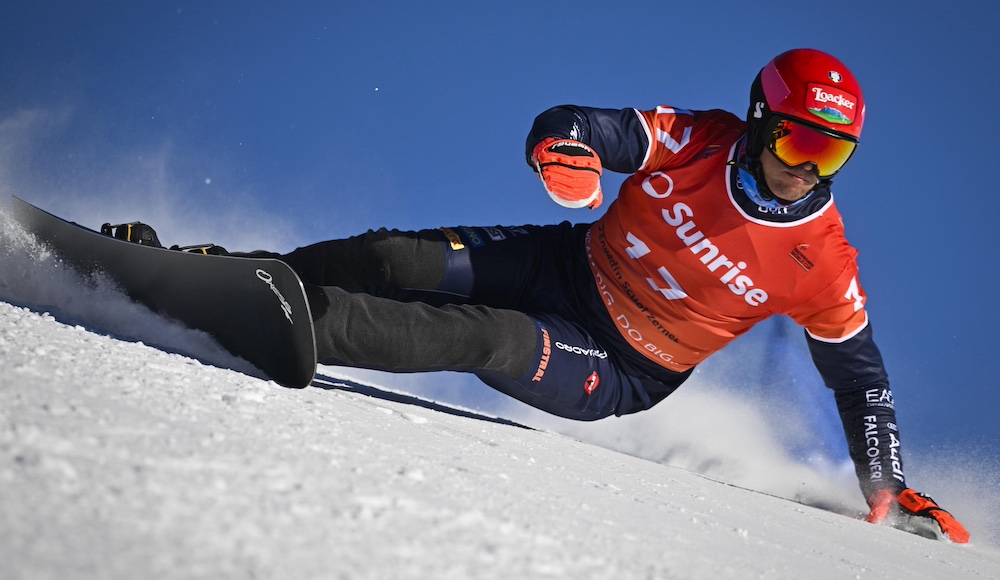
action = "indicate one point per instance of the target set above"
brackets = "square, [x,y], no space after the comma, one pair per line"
[121,460]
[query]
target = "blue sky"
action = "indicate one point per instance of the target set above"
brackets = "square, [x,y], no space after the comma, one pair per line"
[250,124]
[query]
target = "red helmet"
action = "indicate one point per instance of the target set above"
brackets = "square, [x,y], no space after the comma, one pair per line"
[809,87]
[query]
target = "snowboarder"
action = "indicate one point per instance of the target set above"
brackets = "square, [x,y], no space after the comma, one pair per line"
[721,224]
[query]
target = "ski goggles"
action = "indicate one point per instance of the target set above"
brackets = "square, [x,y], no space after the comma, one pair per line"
[796,143]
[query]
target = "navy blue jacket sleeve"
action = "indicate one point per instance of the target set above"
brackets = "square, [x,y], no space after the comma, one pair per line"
[616,135]
[856,373]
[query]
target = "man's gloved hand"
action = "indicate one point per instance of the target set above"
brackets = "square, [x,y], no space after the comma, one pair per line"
[571,172]
[915,513]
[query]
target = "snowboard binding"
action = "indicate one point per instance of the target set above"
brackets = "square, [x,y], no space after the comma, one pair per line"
[207,249]
[145,235]
[135,232]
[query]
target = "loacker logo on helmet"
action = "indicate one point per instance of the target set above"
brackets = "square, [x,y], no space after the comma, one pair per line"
[824,97]
[831,105]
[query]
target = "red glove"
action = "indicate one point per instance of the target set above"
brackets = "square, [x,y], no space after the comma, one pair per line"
[915,513]
[571,172]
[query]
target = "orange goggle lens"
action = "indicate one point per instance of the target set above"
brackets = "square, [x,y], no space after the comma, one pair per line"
[795,144]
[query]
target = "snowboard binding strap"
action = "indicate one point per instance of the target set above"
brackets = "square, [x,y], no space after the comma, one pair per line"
[135,232]
[207,249]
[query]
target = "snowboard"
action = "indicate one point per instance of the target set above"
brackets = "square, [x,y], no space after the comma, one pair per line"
[254,308]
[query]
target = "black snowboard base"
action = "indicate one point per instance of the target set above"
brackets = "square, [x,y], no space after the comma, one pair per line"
[254,308]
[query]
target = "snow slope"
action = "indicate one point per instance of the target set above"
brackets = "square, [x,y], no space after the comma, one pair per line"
[120,460]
